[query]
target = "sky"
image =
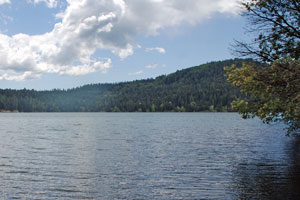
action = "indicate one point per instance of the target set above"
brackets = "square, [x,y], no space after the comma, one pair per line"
[47,44]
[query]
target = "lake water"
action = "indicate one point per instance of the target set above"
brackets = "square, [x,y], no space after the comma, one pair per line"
[145,156]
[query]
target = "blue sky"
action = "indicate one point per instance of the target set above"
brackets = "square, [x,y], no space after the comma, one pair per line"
[46,44]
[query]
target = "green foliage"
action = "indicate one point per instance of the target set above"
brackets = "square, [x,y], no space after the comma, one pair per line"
[153,108]
[116,109]
[200,88]
[273,91]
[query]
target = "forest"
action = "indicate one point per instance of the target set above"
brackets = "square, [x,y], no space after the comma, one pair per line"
[195,89]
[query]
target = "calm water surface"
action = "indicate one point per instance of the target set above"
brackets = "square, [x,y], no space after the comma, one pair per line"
[145,156]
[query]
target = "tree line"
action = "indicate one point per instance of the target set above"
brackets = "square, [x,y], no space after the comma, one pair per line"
[195,89]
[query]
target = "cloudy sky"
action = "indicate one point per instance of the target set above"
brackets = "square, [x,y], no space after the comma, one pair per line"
[46,44]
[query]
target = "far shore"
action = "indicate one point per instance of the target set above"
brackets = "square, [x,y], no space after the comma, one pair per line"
[16,111]
[8,111]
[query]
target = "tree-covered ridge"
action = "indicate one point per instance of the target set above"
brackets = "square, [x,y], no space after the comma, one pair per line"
[200,88]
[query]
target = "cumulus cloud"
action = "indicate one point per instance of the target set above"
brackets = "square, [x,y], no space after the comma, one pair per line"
[88,25]
[4,1]
[86,69]
[158,49]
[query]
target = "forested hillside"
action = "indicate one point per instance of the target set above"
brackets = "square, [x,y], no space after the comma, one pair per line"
[200,88]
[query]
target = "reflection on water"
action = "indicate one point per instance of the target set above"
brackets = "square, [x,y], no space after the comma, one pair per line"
[145,156]
[270,179]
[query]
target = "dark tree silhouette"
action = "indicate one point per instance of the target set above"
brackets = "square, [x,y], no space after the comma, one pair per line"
[276,24]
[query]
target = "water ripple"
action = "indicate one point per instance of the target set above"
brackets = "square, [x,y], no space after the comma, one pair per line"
[145,156]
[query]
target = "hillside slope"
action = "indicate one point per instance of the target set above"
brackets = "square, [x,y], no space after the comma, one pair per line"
[199,88]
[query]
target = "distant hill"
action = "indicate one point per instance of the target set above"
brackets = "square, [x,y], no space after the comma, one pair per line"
[195,89]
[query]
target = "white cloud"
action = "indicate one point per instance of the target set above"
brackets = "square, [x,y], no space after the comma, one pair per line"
[232,6]
[158,49]
[4,1]
[88,25]
[135,73]
[151,66]
[49,3]
[24,76]
[86,69]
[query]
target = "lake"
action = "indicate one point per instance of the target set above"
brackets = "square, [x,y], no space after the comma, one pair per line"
[145,156]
